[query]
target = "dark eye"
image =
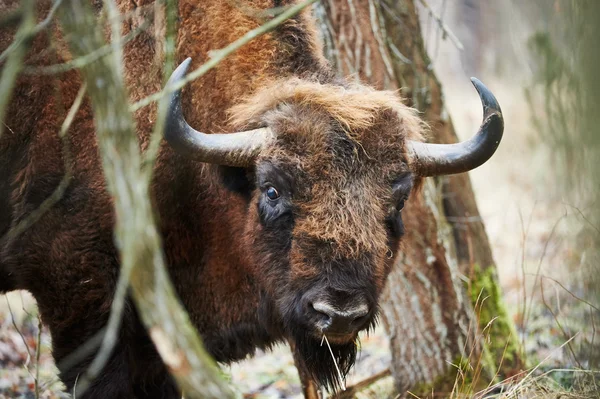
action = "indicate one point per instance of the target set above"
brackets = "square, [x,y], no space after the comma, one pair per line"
[400,206]
[272,193]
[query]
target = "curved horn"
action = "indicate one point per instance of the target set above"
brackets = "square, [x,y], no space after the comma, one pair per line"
[233,149]
[447,159]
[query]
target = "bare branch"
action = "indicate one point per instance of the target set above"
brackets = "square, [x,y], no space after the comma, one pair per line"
[136,234]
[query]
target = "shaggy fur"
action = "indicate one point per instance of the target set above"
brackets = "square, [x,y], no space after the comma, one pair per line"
[247,268]
[353,106]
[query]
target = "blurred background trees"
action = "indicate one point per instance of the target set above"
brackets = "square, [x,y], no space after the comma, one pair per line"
[539,196]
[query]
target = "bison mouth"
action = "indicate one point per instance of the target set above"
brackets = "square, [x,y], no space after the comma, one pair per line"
[339,339]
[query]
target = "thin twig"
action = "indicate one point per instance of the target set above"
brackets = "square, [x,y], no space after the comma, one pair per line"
[38,351]
[524,234]
[14,323]
[14,61]
[84,60]
[516,387]
[558,323]
[378,29]
[398,54]
[29,35]
[568,291]
[352,390]
[443,26]
[90,345]
[342,381]
[146,11]
[29,357]
[583,217]
[151,152]
[75,387]
[539,268]
[437,37]
[59,191]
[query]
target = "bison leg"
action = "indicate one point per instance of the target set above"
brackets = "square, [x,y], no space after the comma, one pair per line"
[68,261]
[112,382]
[150,376]
[159,387]
[6,282]
[134,370]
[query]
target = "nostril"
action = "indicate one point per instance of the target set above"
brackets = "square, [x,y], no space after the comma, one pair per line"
[358,320]
[327,313]
[359,314]
[324,313]
[361,311]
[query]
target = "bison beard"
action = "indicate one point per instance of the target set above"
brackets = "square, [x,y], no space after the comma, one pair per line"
[314,353]
[319,362]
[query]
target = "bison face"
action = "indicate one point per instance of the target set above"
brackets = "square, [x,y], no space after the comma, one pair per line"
[324,227]
[332,166]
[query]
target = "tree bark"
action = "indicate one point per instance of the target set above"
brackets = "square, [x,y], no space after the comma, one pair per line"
[433,299]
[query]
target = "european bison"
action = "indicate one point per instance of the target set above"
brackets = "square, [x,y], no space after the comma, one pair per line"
[285,230]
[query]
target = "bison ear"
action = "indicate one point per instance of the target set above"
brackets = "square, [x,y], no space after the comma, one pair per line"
[237,180]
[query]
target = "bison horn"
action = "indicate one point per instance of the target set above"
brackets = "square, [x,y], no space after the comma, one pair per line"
[232,149]
[447,159]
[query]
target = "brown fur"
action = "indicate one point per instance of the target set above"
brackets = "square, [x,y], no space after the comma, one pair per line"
[246,269]
[354,106]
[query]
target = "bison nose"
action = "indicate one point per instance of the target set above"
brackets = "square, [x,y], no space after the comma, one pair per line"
[340,321]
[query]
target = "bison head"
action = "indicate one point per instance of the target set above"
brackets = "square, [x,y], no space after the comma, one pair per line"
[332,166]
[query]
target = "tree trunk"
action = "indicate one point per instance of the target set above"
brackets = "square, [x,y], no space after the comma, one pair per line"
[433,308]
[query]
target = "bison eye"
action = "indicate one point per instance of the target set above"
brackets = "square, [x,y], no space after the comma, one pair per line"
[400,206]
[393,221]
[272,193]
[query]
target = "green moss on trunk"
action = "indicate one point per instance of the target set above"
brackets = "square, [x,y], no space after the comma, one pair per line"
[502,351]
